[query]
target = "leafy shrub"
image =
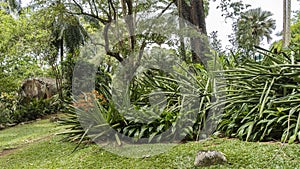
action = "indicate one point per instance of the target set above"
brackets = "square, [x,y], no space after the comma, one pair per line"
[37,108]
[7,108]
[98,111]
[11,111]
[262,101]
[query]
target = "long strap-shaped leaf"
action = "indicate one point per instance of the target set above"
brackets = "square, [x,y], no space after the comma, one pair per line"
[296,130]
[265,97]
[201,104]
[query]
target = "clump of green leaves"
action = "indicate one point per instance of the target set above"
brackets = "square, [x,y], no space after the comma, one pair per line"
[262,100]
[159,102]
[21,45]
[13,112]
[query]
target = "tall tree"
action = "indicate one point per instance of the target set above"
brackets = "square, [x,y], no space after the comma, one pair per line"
[194,12]
[20,47]
[105,12]
[67,35]
[252,27]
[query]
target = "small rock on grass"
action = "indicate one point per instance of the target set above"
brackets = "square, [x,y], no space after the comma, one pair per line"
[209,157]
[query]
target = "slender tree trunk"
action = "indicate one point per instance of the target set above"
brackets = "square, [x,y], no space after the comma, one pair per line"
[198,15]
[59,72]
[286,22]
[181,26]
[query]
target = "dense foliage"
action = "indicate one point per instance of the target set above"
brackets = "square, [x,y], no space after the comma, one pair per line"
[99,109]
[20,46]
[260,99]
[12,112]
[263,99]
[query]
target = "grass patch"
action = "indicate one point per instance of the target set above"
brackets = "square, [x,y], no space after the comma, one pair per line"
[21,135]
[52,153]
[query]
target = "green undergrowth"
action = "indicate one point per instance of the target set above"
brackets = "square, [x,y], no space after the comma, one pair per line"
[52,153]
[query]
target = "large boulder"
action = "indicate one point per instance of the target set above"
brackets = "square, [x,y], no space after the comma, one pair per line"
[39,88]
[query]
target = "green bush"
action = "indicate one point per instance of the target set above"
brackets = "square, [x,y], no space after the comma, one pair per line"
[7,108]
[262,99]
[11,111]
[37,108]
[98,111]
[260,102]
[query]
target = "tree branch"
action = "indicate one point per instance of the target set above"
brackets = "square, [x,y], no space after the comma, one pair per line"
[103,21]
[113,8]
[106,45]
[95,8]
[115,55]
[141,52]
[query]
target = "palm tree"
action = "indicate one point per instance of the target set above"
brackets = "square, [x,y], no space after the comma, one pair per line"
[253,26]
[67,35]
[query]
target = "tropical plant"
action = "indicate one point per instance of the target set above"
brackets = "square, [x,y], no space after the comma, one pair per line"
[252,27]
[156,95]
[67,34]
[37,108]
[13,112]
[262,100]
[163,106]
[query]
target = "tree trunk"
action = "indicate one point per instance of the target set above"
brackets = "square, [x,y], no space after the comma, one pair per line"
[181,26]
[286,22]
[195,14]
[60,73]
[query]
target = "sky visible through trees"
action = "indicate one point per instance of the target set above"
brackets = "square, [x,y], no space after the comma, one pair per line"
[215,22]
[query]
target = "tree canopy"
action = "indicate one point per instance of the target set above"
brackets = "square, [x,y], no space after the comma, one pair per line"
[21,48]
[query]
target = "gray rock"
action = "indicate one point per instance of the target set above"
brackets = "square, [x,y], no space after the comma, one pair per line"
[2,126]
[11,124]
[209,157]
[39,88]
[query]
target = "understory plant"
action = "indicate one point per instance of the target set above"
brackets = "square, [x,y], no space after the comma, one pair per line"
[263,99]
[256,101]
[163,106]
[13,112]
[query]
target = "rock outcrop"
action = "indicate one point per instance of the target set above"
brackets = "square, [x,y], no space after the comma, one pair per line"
[39,88]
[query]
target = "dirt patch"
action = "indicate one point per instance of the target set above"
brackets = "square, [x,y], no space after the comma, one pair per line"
[7,151]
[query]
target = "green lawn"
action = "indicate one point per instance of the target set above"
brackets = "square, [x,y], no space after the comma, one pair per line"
[50,152]
[21,135]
